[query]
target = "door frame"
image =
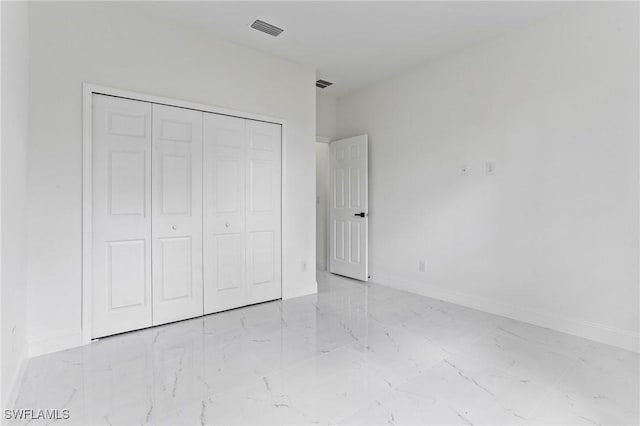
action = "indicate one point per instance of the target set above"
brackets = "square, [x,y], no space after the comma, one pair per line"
[326,141]
[88,90]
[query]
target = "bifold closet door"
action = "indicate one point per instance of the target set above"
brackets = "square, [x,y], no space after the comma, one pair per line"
[263,215]
[224,207]
[155,258]
[176,214]
[121,215]
[242,181]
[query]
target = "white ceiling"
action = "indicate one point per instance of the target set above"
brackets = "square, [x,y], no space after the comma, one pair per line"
[356,43]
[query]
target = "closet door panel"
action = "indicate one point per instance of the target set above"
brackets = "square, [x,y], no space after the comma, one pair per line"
[177,214]
[224,206]
[263,235]
[121,210]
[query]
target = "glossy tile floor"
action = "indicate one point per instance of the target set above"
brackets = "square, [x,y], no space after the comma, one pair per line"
[352,354]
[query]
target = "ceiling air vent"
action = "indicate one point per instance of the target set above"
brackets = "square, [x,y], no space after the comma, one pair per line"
[323,84]
[267,28]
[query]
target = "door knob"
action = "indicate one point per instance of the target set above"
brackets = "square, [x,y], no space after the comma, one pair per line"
[174,227]
[362,214]
[227,224]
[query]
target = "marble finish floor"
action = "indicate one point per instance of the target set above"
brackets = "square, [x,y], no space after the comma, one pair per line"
[352,354]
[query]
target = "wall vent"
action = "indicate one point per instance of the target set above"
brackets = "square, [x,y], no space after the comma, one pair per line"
[323,84]
[266,27]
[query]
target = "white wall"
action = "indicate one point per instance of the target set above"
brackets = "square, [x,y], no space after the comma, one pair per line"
[109,44]
[326,115]
[552,238]
[15,111]
[322,198]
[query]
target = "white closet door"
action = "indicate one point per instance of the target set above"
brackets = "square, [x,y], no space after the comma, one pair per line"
[224,207]
[263,235]
[121,222]
[177,214]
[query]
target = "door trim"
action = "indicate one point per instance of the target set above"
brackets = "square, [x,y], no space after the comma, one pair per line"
[88,90]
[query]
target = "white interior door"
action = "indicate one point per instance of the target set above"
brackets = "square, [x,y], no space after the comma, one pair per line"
[349,221]
[224,207]
[177,214]
[263,211]
[121,210]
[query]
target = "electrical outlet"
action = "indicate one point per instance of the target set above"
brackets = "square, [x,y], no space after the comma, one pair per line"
[490,168]
[303,266]
[422,266]
[464,170]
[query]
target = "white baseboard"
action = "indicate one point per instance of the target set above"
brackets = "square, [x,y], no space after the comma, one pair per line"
[301,291]
[55,341]
[598,332]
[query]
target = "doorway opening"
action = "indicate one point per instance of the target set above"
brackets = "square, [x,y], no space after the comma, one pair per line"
[342,224]
[322,204]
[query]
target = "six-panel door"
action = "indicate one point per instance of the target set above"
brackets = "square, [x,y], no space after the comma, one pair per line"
[348,236]
[262,171]
[224,213]
[241,212]
[176,214]
[121,215]
[156,259]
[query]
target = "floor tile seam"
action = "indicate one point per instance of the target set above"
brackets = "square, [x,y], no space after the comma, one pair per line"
[431,339]
[492,367]
[569,357]
[552,348]
[379,397]
[511,375]
[553,388]
[262,376]
[547,345]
